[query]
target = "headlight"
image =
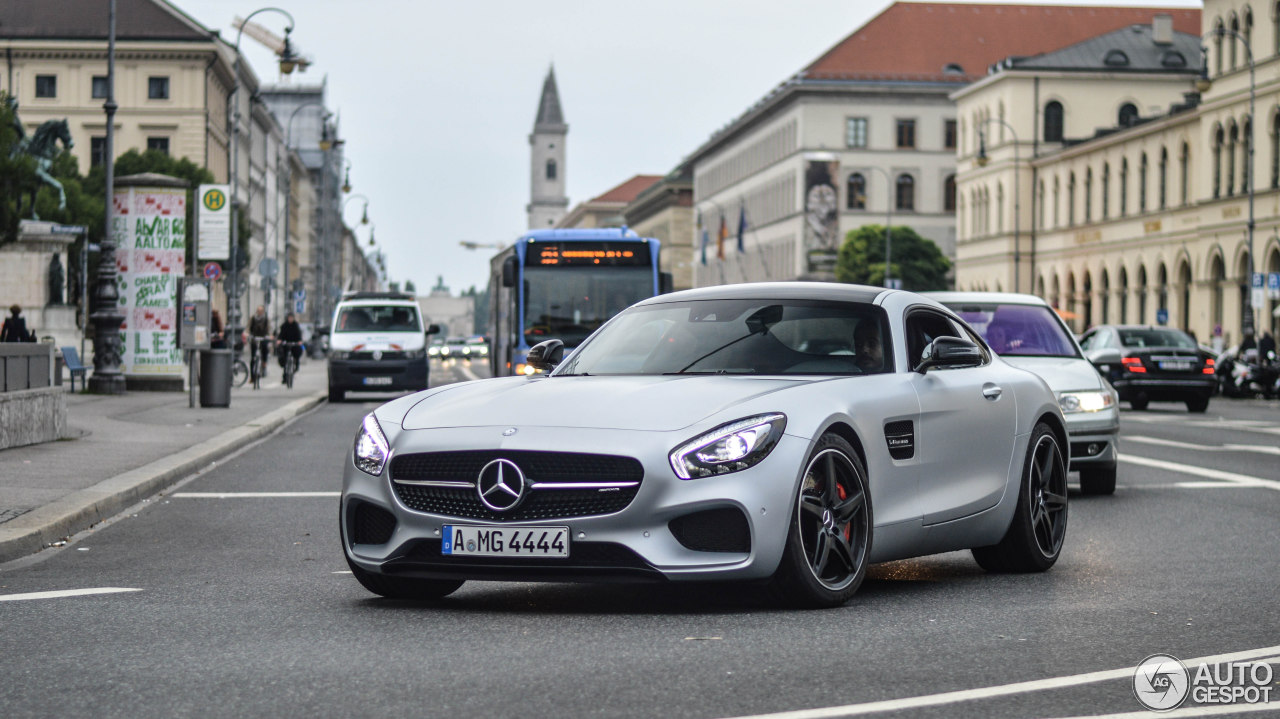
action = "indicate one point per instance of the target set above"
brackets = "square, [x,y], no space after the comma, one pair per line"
[339,354]
[1085,401]
[729,448]
[371,447]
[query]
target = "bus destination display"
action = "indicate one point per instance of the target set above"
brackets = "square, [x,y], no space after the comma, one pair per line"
[571,254]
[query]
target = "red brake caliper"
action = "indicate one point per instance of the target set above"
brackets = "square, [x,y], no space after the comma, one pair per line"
[843,495]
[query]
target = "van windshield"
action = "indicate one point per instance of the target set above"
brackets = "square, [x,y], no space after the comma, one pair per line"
[378,318]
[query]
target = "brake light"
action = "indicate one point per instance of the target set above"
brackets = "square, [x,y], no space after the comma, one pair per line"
[1133,364]
[1208,366]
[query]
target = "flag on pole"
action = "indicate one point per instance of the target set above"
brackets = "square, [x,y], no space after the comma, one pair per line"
[721,237]
[742,228]
[702,238]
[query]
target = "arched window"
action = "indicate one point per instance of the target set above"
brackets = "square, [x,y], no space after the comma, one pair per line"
[906,192]
[1124,186]
[1217,162]
[1184,164]
[999,208]
[551,169]
[1057,198]
[1231,41]
[1142,295]
[1053,122]
[1071,200]
[1142,184]
[1104,294]
[949,194]
[1233,139]
[1245,180]
[1124,297]
[1164,177]
[1040,192]
[1106,190]
[1128,115]
[1275,150]
[1247,30]
[1219,32]
[1275,25]
[856,191]
[1088,195]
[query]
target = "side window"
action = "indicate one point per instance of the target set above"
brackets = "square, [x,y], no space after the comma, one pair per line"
[923,327]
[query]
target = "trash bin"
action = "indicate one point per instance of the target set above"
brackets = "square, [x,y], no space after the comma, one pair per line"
[215,378]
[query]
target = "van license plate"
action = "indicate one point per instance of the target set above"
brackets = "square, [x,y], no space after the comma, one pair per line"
[377,380]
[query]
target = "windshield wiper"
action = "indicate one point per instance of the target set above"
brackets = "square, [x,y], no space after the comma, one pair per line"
[713,371]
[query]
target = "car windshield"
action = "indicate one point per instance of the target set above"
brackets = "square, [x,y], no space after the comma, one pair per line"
[1155,337]
[791,337]
[1018,330]
[378,318]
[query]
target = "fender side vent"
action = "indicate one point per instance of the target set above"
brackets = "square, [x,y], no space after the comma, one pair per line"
[901,438]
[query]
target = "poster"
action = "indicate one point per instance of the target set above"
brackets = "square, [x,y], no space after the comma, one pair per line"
[149,228]
[821,212]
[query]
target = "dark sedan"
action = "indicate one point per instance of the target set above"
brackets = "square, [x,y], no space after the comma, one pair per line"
[1152,364]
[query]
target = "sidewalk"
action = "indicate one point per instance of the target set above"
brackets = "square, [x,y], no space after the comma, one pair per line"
[122,449]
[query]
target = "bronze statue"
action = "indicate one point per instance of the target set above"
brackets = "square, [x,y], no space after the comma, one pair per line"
[42,146]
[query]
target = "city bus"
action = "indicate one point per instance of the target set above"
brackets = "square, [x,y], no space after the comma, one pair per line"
[563,284]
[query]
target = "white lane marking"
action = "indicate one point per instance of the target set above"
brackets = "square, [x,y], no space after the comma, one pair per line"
[64,593]
[964,695]
[1248,425]
[250,495]
[344,571]
[1242,480]
[1206,710]
[466,371]
[1204,447]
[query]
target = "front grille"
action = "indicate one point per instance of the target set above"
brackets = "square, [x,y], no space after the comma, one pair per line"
[386,355]
[371,524]
[538,467]
[376,369]
[713,530]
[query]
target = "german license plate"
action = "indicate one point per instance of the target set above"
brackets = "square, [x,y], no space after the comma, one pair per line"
[505,541]
[1176,365]
[377,380]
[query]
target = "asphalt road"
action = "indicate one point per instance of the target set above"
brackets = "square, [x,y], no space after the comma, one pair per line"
[243,607]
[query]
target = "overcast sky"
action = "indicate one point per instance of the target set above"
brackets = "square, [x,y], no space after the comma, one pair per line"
[437,99]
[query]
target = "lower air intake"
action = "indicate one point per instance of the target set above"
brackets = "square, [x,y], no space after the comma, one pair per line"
[371,524]
[713,530]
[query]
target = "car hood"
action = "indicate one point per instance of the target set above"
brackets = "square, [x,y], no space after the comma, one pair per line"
[651,403]
[1062,374]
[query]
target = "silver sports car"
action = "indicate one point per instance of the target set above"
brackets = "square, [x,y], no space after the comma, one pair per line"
[792,433]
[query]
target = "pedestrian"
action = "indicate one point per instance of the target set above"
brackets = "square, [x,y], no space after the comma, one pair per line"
[15,327]
[216,340]
[1266,347]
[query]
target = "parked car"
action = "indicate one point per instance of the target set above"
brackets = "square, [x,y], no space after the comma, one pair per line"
[1152,364]
[1026,332]
[789,432]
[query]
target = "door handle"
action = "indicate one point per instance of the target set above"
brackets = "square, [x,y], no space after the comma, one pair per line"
[991,391]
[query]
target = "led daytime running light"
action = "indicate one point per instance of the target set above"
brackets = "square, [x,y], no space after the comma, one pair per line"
[371,450]
[728,448]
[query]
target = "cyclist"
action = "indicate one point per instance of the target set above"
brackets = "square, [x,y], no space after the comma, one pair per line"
[260,334]
[289,336]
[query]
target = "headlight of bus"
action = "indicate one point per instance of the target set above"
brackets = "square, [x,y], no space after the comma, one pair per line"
[728,448]
[371,448]
[1071,402]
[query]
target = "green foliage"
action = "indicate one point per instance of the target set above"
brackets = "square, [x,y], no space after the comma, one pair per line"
[917,261]
[409,287]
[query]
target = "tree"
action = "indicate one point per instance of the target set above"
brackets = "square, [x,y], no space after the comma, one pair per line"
[410,288]
[917,261]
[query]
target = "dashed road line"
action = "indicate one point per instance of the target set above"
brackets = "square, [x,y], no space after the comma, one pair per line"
[252,495]
[965,695]
[65,593]
[1260,449]
[1242,480]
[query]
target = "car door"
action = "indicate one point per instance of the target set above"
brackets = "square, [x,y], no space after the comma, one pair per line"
[968,419]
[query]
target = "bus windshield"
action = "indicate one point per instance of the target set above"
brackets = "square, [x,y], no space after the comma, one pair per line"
[569,303]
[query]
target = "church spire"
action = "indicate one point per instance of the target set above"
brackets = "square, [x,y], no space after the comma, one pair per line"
[547,199]
[549,112]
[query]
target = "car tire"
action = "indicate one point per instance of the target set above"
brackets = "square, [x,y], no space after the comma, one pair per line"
[1098,480]
[1035,536]
[404,587]
[336,395]
[1139,403]
[828,543]
[1198,405]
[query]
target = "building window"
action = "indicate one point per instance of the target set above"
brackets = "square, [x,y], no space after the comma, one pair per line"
[1245,155]
[906,134]
[157,88]
[1233,137]
[1053,122]
[158,143]
[1235,28]
[1184,166]
[949,194]
[1071,200]
[1275,151]
[856,190]
[1164,177]
[906,193]
[551,169]
[97,151]
[1040,192]
[855,132]
[46,85]
[1142,184]
[1217,163]
[1124,187]
[1106,190]
[99,87]
[1219,32]
[1128,115]
[1057,202]
[1088,195]
[949,134]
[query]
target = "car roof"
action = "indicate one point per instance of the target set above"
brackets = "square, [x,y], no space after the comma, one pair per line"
[1004,298]
[777,290]
[371,302]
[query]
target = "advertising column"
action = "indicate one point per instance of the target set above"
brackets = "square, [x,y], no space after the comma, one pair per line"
[149,222]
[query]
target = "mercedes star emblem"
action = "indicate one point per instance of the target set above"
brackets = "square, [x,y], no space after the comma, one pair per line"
[501,485]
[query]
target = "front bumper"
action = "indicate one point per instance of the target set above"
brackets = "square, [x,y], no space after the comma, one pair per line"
[1094,437]
[635,543]
[378,375]
[1178,389]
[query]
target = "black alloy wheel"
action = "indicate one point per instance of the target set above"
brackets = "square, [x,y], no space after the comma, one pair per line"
[1035,536]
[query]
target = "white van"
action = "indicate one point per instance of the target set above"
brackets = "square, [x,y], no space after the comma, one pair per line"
[377,342]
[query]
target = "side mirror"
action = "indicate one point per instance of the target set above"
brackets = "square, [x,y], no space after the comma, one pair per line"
[1104,358]
[949,352]
[509,271]
[546,355]
[432,329]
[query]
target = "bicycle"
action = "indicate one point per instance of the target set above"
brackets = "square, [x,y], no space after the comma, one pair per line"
[257,362]
[239,372]
[290,361]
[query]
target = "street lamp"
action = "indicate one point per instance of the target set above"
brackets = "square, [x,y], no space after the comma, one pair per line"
[1203,85]
[364,217]
[982,160]
[107,348]
[288,61]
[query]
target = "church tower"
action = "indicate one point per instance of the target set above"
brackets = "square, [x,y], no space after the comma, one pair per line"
[547,199]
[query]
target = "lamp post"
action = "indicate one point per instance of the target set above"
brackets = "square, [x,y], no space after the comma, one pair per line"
[982,160]
[288,61]
[364,218]
[1203,84]
[107,378]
